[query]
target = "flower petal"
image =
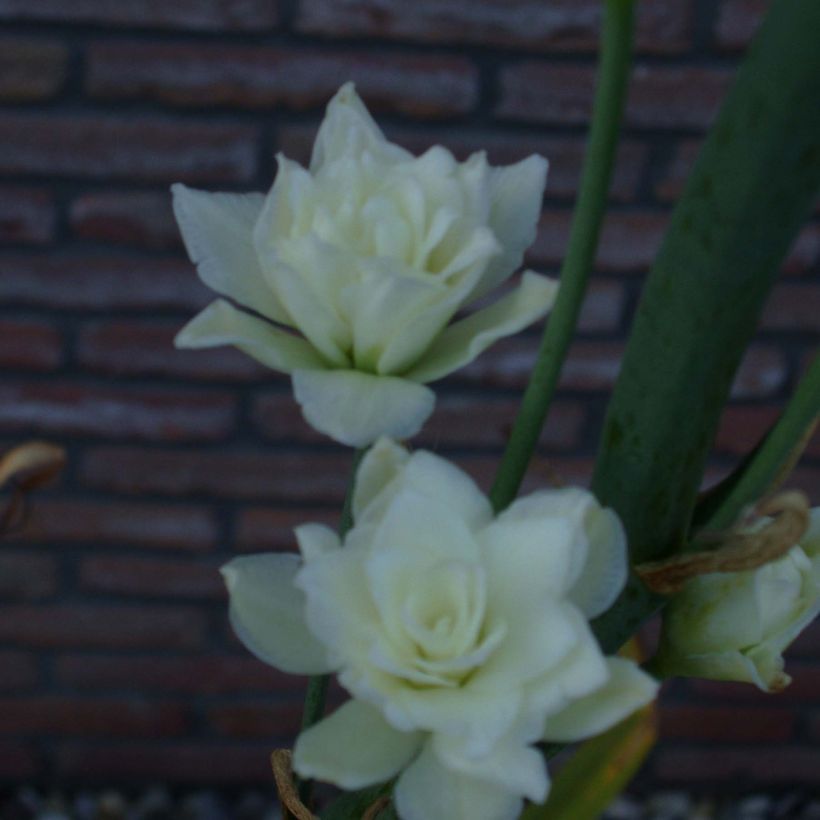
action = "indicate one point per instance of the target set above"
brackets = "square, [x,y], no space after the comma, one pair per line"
[267,613]
[428,790]
[348,130]
[222,324]
[217,229]
[380,465]
[354,747]
[627,689]
[511,763]
[315,540]
[357,408]
[434,478]
[604,573]
[460,343]
[516,193]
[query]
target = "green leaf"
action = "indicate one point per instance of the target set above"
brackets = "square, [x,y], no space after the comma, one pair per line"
[354,804]
[752,186]
[599,771]
[770,463]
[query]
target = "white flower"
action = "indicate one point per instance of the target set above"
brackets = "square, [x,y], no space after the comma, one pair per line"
[360,264]
[463,638]
[736,625]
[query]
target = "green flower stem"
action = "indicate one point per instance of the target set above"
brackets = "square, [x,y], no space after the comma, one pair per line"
[316,692]
[615,62]
[774,456]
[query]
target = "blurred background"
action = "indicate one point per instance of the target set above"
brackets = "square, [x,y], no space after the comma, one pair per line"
[117,665]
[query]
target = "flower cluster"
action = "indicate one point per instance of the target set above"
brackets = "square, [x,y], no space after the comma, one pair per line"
[355,269]
[462,637]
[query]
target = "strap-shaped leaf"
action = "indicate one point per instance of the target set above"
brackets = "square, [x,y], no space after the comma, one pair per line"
[752,186]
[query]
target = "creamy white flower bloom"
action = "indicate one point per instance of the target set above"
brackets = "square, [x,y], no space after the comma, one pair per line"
[736,625]
[360,263]
[462,637]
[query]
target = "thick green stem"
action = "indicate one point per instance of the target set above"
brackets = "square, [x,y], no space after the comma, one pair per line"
[316,692]
[607,112]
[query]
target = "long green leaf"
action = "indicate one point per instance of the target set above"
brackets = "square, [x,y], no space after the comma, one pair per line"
[769,464]
[599,771]
[751,188]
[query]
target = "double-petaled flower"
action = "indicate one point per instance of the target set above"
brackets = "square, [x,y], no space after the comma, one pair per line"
[463,638]
[355,268]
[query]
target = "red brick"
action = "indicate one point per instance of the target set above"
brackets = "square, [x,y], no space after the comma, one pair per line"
[659,97]
[29,345]
[100,283]
[742,767]
[153,526]
[804,688]
[262,720]
[629,240]
[26,575]
[423,85]
[286,476]
[480,421]
[804,253]
[725,724]
[146,348]
[671,184]
[205,15]
[27,215]
[151,577]
[31,70]
[106,148]
[742,427]
[104,627]
[18,762]
[565,25]
[806,479]
[807,643]
[263,528]
[156,415]
[19,672]
[100,716]
[210,674]
[737,22]
[762,373]
[139,218]
[210,762]
[565,154]
[793,307]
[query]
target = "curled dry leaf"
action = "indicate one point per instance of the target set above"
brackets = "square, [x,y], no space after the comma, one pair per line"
[789,513]
[292,806]
[23,469]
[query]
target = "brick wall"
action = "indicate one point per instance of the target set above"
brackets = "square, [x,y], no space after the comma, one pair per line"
[116,662]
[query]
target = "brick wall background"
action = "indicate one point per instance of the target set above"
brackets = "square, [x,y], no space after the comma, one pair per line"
[116,663]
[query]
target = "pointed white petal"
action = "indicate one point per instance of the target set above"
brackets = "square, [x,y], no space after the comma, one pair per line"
[428,790]
[267,613]
[357,408]
[604,573]
[354,747]
[222,324]
[348,130]
[460,343]
[315,540]
[217,229]
[516,193]
[627,690]
[381,464]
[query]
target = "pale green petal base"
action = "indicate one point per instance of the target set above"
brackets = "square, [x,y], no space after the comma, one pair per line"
[357,408]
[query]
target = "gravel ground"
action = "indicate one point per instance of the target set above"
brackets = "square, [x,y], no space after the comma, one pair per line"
[159,804]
